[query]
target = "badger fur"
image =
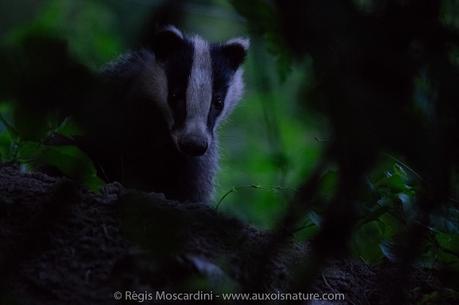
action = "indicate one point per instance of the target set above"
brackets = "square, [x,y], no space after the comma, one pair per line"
[160,113]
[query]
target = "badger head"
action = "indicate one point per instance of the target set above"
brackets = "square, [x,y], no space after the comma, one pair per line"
[198,83]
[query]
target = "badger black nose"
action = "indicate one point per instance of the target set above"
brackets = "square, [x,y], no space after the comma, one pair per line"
[193,145]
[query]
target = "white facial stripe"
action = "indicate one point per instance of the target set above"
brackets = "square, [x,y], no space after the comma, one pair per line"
[199,91]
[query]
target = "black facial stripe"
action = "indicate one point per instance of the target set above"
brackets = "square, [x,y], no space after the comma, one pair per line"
[178,69]
[222,73]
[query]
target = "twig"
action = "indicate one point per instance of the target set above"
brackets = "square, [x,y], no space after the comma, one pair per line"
[302,228]
[404,165]
[253,186]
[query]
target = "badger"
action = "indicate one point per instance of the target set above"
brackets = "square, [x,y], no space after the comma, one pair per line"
[156,129]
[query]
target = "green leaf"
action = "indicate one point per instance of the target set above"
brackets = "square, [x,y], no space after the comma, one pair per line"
[373,215]
[389,226]
[30,125]
[69,160]
[388,249]
[446,221]
[448,241]
[306,232]
[6,146]
[449,250]
[68,128]
[328,184]
[365,243]
[28,151]
[315,218]
[399,171]
[6,111]
[395,183]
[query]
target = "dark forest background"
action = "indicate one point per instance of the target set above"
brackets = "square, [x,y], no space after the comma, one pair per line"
[347,137]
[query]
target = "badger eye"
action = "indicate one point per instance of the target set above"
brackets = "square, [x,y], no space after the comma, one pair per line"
[218,102]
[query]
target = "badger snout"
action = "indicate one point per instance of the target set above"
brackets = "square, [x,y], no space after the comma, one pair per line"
[192,138]
[193,144]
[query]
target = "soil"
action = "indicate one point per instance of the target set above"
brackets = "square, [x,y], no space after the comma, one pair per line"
[62,244]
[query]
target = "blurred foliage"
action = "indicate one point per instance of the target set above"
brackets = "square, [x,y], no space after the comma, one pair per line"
[271,142]
[87,26]
[385,77]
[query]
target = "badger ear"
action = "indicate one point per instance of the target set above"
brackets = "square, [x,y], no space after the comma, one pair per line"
[166,41]
[235,50]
